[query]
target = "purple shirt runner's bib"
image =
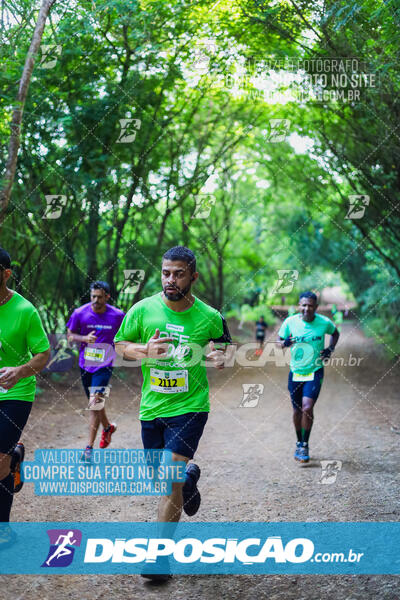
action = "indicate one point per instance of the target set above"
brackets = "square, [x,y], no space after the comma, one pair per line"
[101,353]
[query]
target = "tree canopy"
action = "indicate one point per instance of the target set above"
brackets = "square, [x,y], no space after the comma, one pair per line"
[263,135]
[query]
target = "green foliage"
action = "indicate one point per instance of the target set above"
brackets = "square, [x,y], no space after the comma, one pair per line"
[251,314]
[274,207]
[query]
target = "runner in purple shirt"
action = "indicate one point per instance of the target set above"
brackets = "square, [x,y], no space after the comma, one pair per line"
[94,325]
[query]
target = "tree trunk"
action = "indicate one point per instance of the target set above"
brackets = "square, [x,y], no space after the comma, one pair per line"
[92,237]
[15,136]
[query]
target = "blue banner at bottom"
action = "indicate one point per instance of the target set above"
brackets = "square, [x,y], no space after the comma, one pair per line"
[200,548]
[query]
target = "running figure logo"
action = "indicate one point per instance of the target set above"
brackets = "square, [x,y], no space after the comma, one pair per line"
[62,547]
[98,395]
[129,128]
[286,280]
[50,53]
[330,470]
[54,208]
[133,279]
[278,130]
[204,204]
[201,55]
[62,356]
[251,394]
[357,207]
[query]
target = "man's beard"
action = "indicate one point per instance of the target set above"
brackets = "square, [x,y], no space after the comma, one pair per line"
[177,295]
[308,317]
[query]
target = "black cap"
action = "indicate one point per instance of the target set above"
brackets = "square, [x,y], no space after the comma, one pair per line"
[5,260]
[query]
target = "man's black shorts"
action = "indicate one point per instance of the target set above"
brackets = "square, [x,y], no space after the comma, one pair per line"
[13,417]
[180,434]
[299,389]
[98,379]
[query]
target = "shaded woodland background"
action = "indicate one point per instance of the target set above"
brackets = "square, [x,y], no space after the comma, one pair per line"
[185,78]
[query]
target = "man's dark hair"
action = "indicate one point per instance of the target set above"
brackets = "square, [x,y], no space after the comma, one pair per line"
[100,285]
[182,253]
[5,260]
[309,295]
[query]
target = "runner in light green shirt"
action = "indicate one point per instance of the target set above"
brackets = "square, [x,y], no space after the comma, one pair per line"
[24,351]
[169,332]
[305,334]
[308,339]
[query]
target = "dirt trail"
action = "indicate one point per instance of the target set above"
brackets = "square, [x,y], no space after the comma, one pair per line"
[248,473]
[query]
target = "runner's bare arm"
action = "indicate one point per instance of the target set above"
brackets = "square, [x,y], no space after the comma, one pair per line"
[156,347]
[130,350]
[9,376]
[90,338]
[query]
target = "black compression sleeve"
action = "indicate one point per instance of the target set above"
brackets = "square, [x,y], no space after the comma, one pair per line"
[226,336]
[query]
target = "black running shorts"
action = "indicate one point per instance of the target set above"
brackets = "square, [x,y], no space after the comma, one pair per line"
[13,417]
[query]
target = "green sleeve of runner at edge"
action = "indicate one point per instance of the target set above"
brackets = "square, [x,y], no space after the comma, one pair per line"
[21,336]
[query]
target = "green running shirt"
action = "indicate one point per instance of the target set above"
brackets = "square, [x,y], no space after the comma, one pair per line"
[177,384]
[309,338]
[21,336]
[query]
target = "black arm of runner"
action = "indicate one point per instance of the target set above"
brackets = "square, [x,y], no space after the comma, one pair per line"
[334,339]
[326,352]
